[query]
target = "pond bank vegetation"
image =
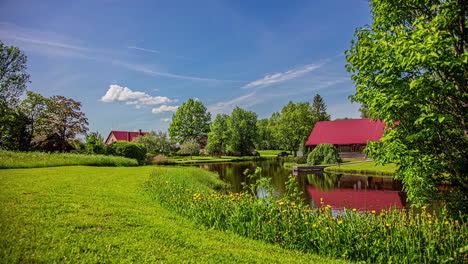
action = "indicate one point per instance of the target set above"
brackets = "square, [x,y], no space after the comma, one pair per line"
[374,237]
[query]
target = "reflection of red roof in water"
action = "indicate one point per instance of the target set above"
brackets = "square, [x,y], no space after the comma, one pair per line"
[353,131]
[362,200]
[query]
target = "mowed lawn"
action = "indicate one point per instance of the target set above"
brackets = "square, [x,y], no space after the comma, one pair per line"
[103,214]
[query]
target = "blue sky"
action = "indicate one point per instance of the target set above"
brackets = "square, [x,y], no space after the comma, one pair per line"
[132,63]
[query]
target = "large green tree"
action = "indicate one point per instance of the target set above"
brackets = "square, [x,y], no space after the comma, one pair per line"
[13,76]
[156,143]
[265,138]
[319,108]
[293,125]
[410,68]
[190,121]
[64,118]
[13,80]
[34,107]
[218,137]
[242,130]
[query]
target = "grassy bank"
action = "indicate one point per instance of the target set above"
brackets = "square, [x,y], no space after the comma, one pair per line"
[364,168]
[9,159]
[372,237]
[180,160]
[105,215]
[269,153]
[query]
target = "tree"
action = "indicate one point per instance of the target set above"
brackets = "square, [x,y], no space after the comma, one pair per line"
[190,147]
[410,68]
[64,118]
[319,109]
[242,130]
[95,144]
[156,143]
[293,125]
[34,108]
[323,154]
[13,80]
[15,131]
[13,76]
[218,137]
[265,138]
[364,111]
[190,121]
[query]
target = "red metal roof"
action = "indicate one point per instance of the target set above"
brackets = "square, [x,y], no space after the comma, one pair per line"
[127,136]
[352,131]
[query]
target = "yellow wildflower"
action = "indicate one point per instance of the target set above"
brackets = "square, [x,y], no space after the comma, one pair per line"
[429,222]
[354,209]
[447,222]
[373,211]
[340,222]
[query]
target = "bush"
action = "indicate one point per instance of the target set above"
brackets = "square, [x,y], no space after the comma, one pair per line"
[323,154]
[190,147]
[128,149]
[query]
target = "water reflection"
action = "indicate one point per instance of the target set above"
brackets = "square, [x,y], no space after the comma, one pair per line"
[337,190]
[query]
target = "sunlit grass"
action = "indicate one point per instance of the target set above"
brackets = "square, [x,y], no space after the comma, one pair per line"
[10,159]
[82,214]
[269,153]
[364,168]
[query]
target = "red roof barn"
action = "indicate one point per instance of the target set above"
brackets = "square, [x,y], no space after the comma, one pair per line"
[347,135]
[123,135]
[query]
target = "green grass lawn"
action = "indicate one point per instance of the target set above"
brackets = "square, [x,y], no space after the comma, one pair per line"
[81,214]
[364,168]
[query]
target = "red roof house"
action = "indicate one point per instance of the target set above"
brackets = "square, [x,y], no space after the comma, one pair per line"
[123,135]
[348,135]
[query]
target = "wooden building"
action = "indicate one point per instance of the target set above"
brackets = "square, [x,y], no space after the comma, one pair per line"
[349,136]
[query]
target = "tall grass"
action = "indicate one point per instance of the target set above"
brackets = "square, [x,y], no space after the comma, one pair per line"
[9,160]
[376,237]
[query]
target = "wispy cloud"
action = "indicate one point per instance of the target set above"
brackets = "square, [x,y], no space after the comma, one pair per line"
[149,71]
[166,120]
[53,44]
[143,49]
[117,93]
[165,109]
[226,107]
[282,76]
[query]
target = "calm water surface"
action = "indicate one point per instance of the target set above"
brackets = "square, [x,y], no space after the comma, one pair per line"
[338,190]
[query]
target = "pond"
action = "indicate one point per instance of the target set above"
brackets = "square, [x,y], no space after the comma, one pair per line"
[363,193]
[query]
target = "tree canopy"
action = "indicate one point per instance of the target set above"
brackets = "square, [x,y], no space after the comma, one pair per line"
[242,130]
[293,125]
[190,121]
[13,76]
[218,137]
[410,68]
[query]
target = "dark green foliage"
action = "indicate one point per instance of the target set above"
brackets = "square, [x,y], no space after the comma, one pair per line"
[13,76]
[410,66]
[320,109]
[265,138]
[128,149]
[323,154]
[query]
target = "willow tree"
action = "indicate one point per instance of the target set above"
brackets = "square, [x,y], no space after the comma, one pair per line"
[410,68]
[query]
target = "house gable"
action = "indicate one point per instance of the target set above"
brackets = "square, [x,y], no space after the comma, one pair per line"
[123,135]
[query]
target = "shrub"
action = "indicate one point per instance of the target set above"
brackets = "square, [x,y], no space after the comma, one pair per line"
[324,153]
[94,144]
[128,149]
[190,147]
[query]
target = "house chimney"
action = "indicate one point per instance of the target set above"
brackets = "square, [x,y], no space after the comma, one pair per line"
[129,137]
[139,131]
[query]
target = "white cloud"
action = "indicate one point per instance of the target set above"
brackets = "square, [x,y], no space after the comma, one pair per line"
[166,120]
[281,77]
[164,109]
[117,93]
[143,49]
[226,107]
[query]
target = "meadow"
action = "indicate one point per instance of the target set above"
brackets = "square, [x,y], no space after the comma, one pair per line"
[10,159]
[80,214]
